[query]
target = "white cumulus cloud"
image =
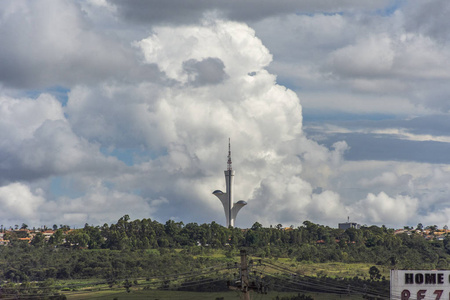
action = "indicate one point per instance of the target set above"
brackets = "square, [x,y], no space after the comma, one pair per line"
[18,202]
[380,209]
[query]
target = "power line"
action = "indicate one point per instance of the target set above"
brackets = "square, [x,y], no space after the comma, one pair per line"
[248,280]
[316,283]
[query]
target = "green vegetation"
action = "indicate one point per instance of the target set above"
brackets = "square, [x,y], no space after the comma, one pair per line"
[146,256]
[162,295]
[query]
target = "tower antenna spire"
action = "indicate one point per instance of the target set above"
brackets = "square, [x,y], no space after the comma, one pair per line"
[229,168]
[231,209]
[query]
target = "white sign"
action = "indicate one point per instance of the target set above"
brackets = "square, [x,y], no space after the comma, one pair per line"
[420,284]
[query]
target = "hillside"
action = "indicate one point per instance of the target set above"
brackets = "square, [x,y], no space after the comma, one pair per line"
[151,255]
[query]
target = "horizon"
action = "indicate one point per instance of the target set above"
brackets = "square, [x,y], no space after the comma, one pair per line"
[292,226]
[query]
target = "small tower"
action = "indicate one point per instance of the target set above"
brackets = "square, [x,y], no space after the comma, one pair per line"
[231,209]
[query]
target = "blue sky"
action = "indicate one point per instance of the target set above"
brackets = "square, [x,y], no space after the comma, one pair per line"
[334,109]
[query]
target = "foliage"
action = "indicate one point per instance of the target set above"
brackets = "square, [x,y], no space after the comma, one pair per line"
[374,273]
[148,248]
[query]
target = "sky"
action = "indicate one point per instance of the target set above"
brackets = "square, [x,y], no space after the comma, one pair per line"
[335,110]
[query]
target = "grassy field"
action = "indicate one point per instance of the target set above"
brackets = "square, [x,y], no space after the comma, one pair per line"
[332,269]
[335,270]
[88,290]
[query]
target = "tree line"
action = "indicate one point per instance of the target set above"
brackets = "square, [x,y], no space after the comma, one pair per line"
[147,247]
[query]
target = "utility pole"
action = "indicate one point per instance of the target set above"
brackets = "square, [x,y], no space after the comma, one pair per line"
[245,292]
[243,283]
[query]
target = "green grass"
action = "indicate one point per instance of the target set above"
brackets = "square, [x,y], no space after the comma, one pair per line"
[331,269]
[216,254]
[87,290]
[339,270]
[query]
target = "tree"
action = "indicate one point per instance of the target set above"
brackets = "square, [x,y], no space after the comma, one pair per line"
[57,237]
[95,236]
[24,226]
[127,285]
[251,238]
[431,227]
[38,240]
[256,226]
[80,239]
[172,228]
[374,273]
[64,228]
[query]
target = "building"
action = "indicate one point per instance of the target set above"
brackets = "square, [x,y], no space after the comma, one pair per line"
[348,225]
[231,209]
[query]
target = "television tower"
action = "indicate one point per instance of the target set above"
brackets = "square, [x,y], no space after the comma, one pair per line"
[231,209]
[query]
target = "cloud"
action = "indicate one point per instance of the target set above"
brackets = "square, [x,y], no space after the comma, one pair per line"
[51,43]
[186,126]
[381,209]
[97,206]
[18,202]
[171,11]
[385,180]
[364,61]
[393,61]
[207,71]
[37,142]
[428,18]
[441,216]
[234,44]
[327,208]
[369,57]
[100,205]
[153,90]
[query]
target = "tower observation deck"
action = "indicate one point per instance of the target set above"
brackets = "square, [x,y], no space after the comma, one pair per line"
[231,209]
